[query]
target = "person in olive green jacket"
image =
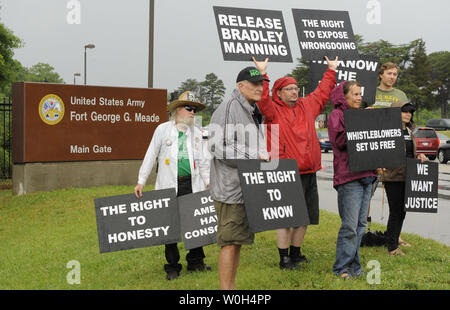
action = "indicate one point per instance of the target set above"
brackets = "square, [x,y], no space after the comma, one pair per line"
[394,182]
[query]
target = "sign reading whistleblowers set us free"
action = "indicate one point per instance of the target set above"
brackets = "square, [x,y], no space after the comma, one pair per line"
[374,139]
[58,122]
[421,186]
[273,198]
[250,32]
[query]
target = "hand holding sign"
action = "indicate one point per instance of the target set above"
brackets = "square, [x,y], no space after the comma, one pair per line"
[332,64]
[261,65]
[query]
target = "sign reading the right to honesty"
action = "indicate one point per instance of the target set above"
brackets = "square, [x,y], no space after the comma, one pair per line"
[421,186]
[244,33]
[126,222]
[325,33]
[374,139]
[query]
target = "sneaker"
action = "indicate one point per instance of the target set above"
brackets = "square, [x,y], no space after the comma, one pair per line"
[286,263]
[172,275]
[299,259]
[198,267]
[396,252]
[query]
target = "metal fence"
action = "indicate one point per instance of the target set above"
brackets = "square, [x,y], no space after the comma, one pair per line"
[5,138]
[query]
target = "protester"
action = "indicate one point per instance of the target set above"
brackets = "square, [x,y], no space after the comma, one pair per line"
[297,139]
[394,182]
[241,109]
[178,148]
[353,188]
[386,94]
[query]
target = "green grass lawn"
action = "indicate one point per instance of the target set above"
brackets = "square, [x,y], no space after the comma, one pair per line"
[41,232]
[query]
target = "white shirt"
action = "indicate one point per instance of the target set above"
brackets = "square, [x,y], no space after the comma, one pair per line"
[164,148]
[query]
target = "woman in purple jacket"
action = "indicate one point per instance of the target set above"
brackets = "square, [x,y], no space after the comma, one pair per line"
[354,188]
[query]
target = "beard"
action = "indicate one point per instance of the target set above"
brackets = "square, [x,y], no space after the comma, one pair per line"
[187,121]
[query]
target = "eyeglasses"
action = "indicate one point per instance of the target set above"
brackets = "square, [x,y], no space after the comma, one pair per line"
[291,89]
[189,108]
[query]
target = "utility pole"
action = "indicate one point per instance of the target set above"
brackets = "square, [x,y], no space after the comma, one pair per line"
[150,42]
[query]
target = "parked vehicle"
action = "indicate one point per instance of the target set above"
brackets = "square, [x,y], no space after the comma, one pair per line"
[442,138]
[444,152]
[439,123]
[427,142]
[325,144]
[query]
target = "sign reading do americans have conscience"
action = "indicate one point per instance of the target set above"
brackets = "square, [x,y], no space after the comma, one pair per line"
[244,33]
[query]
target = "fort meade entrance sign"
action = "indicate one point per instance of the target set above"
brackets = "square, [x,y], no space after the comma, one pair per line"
[81,136]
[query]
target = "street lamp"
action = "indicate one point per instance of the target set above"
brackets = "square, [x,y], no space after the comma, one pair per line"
[86,47]
[74,75]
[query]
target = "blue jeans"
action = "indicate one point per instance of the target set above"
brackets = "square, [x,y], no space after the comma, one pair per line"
[353,203]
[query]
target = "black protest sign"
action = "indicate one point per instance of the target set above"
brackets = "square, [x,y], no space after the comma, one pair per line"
[363,69]
[125,222]
[374,139]
[325,33]
[421,186]
[244,33]
[198,219]
[273,198]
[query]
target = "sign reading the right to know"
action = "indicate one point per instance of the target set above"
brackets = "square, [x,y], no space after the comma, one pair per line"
[325,33]
[421,186]
[273,198]
[244,33]
[374,139]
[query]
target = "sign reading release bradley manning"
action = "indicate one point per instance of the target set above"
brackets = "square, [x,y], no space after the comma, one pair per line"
[325,33]
[245,33]
[58,122]
[125,222]
[273,198]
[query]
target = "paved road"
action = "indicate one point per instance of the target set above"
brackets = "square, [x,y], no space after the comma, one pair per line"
[434,226]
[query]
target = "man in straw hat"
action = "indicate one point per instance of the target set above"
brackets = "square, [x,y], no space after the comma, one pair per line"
[178,148]
[238,113]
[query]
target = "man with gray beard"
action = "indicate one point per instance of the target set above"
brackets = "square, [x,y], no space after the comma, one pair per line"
[178,148]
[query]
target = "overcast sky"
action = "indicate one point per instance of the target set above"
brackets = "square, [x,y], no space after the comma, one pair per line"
[186,38]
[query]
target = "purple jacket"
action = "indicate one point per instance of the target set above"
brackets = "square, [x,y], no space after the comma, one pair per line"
[338,139]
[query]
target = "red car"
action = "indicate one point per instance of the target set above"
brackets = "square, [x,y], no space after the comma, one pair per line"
[427,142]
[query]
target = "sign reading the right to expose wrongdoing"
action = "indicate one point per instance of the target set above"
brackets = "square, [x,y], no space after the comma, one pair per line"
[244,33]
[421,186]
[325,33]
[273,198]
[374,139]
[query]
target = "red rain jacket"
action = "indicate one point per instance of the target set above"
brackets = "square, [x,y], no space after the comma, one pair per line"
[297,133]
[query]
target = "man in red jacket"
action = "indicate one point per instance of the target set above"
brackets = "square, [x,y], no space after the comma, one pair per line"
[295,118]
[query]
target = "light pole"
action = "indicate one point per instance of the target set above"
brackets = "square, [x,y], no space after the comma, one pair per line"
[86,47]
[150,42]
[74,75]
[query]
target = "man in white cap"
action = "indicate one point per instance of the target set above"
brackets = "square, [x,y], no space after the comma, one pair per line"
[178,148]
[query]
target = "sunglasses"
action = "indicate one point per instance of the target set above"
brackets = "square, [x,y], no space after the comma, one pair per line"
[189,108]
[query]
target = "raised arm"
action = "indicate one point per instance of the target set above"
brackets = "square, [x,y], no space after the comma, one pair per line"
[265,105]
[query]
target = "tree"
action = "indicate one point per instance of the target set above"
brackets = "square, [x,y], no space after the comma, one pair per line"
[42,72]
[440,76]
[212,91]
[8,42]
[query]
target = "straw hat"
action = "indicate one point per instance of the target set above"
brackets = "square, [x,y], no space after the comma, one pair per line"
[186,98]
